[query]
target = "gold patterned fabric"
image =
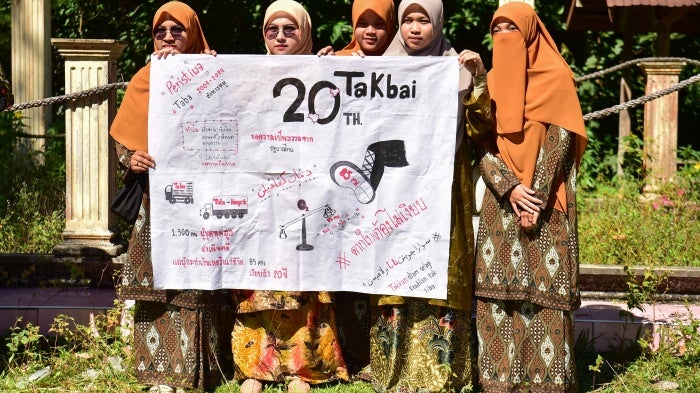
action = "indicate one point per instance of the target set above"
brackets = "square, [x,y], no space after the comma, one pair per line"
[418,347]
[274,344]
[177,333]
[399,344]
[254,301]
[527,281]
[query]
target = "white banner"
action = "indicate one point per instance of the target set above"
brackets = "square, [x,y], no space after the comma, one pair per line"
[302,173]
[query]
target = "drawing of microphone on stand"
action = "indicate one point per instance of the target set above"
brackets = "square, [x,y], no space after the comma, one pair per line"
[365,181]
[328,212]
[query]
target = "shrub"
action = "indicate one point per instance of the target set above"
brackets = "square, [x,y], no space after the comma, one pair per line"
[32,191]
[618,225]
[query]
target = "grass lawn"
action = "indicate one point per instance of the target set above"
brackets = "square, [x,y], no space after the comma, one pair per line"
[76,358]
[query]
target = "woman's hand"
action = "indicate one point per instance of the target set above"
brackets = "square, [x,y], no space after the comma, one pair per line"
[522,199]
[327,51]
[141,162]
[472,62]
[210,52]
[529,221]
[165,52]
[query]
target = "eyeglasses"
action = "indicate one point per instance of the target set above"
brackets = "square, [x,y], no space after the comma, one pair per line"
[175,31]
[272,32]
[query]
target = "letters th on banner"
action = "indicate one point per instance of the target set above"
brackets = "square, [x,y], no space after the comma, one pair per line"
[302,173]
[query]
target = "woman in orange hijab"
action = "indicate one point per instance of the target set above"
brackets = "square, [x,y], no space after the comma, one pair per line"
[192,319]
[527,244]
[373,27]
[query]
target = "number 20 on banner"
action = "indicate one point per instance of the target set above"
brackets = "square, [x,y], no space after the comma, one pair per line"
[292,114]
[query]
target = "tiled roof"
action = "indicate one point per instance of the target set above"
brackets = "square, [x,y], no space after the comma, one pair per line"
[661,3]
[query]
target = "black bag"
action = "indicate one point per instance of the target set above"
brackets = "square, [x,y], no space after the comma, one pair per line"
[127,201]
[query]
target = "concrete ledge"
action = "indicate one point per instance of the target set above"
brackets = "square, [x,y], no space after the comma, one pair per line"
[43,270]
[40,306]
[37,288]
[609,325]
[601,278]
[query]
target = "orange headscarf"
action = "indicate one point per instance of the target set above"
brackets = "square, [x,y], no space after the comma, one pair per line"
[383,8]
[130,126]
[532,86]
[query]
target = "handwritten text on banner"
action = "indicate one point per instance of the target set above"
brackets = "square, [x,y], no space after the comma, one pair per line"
[302,173]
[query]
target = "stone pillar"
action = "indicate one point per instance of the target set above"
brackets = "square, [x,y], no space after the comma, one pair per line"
[624,127]
[31,65]
[90,159]
[660,123]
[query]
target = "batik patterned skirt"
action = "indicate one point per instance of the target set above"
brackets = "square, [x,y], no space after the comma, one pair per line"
[419,347]
[180,337]
[524,347]
[179,347]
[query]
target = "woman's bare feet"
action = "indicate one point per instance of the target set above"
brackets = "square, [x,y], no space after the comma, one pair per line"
[296,385]
[251,386]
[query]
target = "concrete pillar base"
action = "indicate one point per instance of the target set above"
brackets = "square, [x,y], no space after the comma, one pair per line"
[94,251]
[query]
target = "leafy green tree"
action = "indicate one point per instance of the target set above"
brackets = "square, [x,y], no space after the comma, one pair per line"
[234,26]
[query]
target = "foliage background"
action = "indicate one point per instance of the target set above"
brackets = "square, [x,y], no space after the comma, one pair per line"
[234,26]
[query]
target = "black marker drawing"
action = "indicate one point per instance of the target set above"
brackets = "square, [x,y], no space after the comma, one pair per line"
[328,212]
[179,192]
[365,181]
[225,206]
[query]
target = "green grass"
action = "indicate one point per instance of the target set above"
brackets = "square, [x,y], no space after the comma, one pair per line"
[97,358]
[619,225]
[676,361]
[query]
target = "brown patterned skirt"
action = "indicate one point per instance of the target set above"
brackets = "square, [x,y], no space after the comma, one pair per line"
[180,337]
[180,347]
[524,347]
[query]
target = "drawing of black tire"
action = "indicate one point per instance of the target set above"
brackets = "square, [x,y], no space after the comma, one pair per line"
[219,215]
[188,201]
[240,215]
[205,215]
[172,201]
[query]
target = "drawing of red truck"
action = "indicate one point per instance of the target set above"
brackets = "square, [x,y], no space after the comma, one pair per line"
[225,206]
[179,191]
